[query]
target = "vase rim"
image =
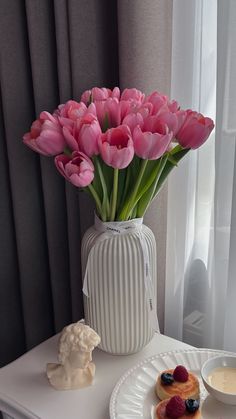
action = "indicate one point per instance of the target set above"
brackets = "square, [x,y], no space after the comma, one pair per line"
[115,225]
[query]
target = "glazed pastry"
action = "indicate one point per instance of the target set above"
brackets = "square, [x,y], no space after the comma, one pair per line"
[177,382]
[178,408]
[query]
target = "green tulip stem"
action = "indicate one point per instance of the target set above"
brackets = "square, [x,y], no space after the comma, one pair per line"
[105,201]
[126,211]
[97,200]
[126,187]
[114,194]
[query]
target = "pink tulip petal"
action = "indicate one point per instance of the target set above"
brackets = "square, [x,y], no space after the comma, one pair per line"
[132,120]
[50,142]
[71,141]
[116,93]
[133,94]
[47,116]
[45,136]
[77,169]
[116,147]
[195,130]
[151,146]
[31,144]
[66,122]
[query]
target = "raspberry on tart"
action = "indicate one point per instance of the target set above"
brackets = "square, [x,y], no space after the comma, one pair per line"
[180,374]
[176,408]
[177,382]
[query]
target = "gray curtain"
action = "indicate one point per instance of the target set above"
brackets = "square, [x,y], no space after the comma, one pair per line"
[52,51]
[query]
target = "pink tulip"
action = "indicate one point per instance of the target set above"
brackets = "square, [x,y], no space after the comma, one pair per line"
[128,107]
[125,108]
[116,93]
[77,169]
[110,109]
[157,100]
[132,120]
[132,106]
[84,135]
[174,121]
[145,109]
[133,94]
[116,147]
[45,136]
[195,130]
[173,106]
[72,110]
[97,93]
[152,145]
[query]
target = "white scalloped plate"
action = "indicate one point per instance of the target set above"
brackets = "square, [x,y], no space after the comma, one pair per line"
[134,394]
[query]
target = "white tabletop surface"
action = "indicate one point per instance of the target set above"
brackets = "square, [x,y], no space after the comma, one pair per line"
[26,393]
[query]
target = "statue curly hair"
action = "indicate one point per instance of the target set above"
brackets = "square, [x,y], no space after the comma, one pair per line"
[77,336]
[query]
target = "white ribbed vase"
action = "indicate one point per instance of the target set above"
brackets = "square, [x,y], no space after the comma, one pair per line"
[117,307]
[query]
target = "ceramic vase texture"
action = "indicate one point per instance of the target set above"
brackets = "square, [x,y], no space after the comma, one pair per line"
[117,304]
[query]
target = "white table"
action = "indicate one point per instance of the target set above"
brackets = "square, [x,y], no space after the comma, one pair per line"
[25,392]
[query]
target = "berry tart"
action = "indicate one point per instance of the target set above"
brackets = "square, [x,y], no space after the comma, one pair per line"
[176,407]
[177,382]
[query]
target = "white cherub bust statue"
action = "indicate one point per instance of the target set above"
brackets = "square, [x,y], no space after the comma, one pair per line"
[75,370]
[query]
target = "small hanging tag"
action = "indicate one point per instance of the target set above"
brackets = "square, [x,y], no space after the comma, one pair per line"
[150,296]
[85,284]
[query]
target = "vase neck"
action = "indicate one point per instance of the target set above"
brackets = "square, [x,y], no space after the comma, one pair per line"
[117,227]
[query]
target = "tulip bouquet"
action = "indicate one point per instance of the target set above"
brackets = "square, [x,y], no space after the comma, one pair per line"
[118,147]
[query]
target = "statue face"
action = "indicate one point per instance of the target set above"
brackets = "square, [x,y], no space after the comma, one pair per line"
[79,359]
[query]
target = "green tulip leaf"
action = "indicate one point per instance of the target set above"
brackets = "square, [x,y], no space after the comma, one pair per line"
[168,168]
[147,196]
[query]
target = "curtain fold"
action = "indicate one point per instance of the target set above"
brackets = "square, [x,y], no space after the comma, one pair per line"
[225,162]
[201,245]
[42,50]
[64,73]
[190,240]
[50,52]
[63,50]
[10,307]
[25,188]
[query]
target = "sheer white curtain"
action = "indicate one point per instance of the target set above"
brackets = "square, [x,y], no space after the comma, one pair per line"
[200,299]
